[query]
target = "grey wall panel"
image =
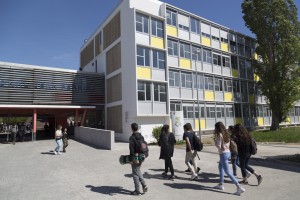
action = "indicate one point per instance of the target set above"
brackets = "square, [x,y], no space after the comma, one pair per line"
[159,108]
[221,120]
[185,35]
[267,121]
[195,38]
[205,28]
[219,96]
[173,61]
[226,71]
[186,93]
[207,68]
[263,100]
[229,122]
[215,31]
[144,108]
[210,123]
[217,69]
[198,65]
[200,94]
[159,75]
[174,93]
[143,39]
[215,44]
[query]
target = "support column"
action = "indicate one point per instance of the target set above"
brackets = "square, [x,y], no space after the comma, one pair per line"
[76,118]
[34,125]
[83,118]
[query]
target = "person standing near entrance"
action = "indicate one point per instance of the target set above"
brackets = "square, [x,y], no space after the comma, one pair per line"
[65,139]
[14,130]
[58,139]
[134,147]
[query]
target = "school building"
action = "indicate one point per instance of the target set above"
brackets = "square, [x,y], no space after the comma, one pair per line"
[162,62]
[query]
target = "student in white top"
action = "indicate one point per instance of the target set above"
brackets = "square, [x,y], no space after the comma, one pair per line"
[222,142]
[58,139]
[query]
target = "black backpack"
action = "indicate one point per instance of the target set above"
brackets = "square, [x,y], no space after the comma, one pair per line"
[253,149]
[198,145]
[143,147]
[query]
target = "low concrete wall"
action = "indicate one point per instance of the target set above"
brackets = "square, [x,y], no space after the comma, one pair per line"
[103,139]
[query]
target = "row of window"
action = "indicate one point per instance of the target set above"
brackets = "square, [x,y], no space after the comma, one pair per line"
[145,91]
[143,25]
[144,55]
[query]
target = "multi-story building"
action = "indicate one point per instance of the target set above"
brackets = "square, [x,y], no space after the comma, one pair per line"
[158,58]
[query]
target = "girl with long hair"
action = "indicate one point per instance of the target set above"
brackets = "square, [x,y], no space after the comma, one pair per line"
[222,142]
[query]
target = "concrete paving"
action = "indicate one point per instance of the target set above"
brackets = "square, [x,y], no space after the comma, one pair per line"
[29,171]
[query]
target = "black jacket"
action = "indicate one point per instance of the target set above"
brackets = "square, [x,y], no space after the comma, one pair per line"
[244,149]
[166,143]
[134,143]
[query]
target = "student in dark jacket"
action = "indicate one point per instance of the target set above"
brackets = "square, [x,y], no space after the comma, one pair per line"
[166,143]
[134,147]
[243,141]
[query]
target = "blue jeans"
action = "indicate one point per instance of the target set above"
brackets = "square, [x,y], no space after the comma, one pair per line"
[224,166]
[59,144]
[137,176]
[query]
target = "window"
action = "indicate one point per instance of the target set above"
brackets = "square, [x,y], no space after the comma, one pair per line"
[186,80]
[218,84]
[195,25]
[157,28]
[242,68]
[297,111]
[228,85]
[249,70]
[237,110]
[215,38]
[217,59]
[142,23]
[209,84]
[175,107]
[172,48]
[234,63]
[185,28]
[251,88]
[202,111]
[144,91]
[159,59]
[171,17]
[266,111]
[196,53]
[188,112]
[160,92]
[206,56]
[210,112]
[229,112]
[224,40]
[185,51]
[292,112]
[244,91]
[241,49]
[205,35]
[220,112]
[174,79]
[143,56]
[225,61]
[232,46]
[236,86]
[246,111]
[200,81]
[259,111]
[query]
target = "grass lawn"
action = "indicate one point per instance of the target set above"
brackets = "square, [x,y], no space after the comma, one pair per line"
[287,135]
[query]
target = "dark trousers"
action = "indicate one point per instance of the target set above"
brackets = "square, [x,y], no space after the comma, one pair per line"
[65,141]
[13,135]
[234,159]
[244,159]
[137,176]
[169,164]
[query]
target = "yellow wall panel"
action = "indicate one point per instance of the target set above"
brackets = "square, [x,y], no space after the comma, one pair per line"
[235,73]
[238,121]
[251,99]
[185,63]
[228,96]
[256,77]
[209,96]
[288,120]
[157,42]
[206,41]
[172,31]
[170,126]
[143,73]
[202,124]
[260,121]
[224,46]
[255,56]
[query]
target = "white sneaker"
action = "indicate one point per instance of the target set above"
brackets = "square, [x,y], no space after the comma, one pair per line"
[219,186]
[55,153]
[239,190]
[59,153]
[194,176]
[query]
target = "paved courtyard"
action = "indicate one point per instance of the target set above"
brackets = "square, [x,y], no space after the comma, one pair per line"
[28,171]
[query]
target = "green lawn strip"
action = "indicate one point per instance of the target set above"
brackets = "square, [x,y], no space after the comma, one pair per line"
[287,135]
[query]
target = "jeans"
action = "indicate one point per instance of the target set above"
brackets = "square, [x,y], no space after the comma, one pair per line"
[169,164]
[137,176]
[244,159]
[224,166]
[234,163]
[191,155]
[59,144]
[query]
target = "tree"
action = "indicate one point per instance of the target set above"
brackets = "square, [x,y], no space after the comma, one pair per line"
[277,29]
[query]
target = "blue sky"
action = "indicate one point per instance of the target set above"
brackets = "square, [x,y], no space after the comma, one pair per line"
[51,32]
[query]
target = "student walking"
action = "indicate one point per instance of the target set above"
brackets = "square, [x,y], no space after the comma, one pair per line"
[233,151]
[134,147]
[191,153]
[244,141]
[166,143]
[58,140]
[222,142]
[65,139]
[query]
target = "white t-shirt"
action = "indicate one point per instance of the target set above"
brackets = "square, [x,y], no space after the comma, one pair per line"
[221,145]
[58,133]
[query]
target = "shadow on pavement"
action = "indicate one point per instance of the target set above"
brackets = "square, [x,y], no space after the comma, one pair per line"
[274,164]
[109,190]
[48,153]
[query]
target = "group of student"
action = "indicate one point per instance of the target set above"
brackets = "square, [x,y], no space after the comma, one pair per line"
[234,143]
[61,139]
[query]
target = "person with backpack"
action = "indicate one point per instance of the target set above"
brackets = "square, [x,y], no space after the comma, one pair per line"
[191,152]
[222,142]
[244,143]
[166,142]
[136,141]
[65,139]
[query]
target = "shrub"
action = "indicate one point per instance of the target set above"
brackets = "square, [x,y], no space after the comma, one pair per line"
[156,132]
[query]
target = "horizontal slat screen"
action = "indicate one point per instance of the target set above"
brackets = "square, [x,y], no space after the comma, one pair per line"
[30,86]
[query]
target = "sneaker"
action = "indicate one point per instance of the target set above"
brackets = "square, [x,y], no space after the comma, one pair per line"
[259,179]
[219,187]
[188,170]
[198,170]
[244,182]
[239,190]
[59,153]
[164,174]
[172,178]
[145,188]
[136,193]
[55,153]
[193,177]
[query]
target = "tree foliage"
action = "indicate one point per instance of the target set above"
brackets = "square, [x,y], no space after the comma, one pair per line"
[156,132]
[277,29]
